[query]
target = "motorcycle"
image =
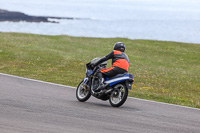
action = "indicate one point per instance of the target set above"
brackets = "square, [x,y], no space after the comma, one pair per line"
[116,90]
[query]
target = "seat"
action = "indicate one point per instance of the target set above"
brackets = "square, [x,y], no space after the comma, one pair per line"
[117,76]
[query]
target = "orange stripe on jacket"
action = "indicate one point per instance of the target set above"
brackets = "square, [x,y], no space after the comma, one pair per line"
[106,69]
[122,63]
[117,52]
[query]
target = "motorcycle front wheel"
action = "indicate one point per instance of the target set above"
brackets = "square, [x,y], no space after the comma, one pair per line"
[82,92]
[119,95]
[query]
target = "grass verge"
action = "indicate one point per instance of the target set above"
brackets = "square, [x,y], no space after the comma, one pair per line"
[163,71]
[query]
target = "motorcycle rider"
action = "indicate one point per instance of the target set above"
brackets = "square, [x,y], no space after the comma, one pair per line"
[120,64]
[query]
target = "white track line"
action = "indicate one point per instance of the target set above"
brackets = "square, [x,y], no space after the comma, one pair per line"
[164,103]
[37,80]
[75,88]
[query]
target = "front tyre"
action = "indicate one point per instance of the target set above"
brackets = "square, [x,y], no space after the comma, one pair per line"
[119,95]
[82,92]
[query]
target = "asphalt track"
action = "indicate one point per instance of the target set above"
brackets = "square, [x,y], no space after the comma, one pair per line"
[28,106]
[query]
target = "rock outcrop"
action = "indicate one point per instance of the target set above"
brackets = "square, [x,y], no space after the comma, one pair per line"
[18,16]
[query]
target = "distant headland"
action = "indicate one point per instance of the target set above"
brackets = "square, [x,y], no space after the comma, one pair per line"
[14,16]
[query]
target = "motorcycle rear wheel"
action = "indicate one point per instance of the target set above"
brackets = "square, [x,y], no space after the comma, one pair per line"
[82,94]
[119,95]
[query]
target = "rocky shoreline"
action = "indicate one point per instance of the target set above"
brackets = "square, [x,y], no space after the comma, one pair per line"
[14,16]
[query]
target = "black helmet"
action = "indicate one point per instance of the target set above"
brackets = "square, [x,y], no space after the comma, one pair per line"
[119,46]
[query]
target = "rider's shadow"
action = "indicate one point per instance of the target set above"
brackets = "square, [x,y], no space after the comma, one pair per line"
[103,105]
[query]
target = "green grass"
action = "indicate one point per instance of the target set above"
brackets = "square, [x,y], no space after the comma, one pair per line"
[163,71]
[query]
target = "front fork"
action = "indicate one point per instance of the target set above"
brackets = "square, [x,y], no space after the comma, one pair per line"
[85,85]
[85,80]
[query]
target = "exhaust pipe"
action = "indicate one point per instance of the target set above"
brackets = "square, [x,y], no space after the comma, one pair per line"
[108,91]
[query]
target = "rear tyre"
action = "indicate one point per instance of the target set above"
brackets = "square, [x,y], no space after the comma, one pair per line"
[119,95]
[82,92]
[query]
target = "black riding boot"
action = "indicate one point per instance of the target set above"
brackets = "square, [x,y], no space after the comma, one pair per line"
[101,84]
